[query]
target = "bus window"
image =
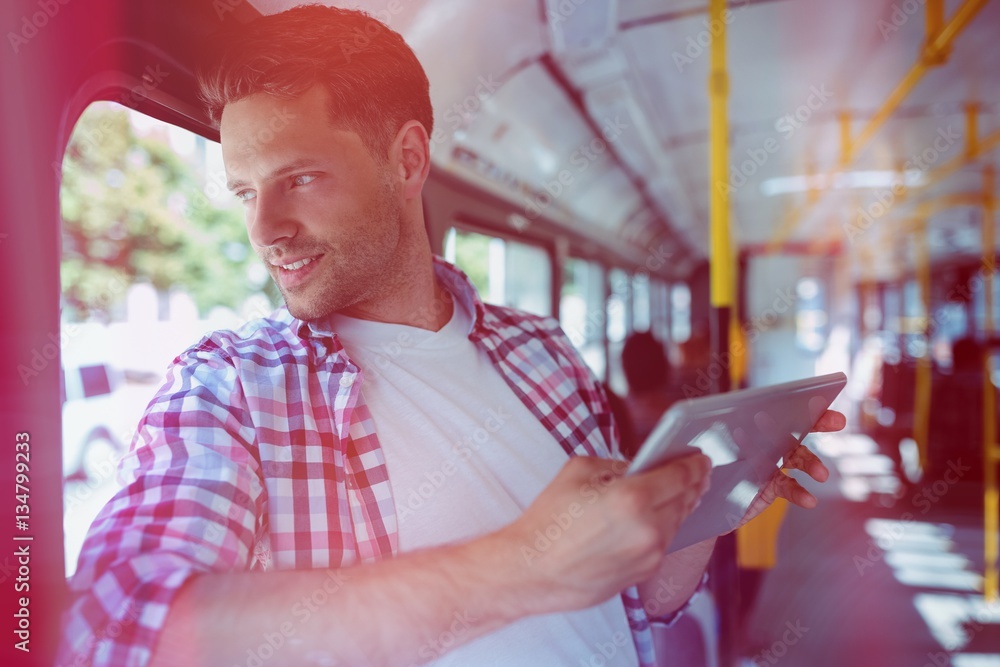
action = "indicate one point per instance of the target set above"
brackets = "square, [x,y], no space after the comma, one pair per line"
[892,311]
[640,302]
[913,321]
[619,325]
[154,255]
[659,309]
[810,315]
[581,310]
[680,312]
[871,313]
[974,283]
[619,306]
[506,273]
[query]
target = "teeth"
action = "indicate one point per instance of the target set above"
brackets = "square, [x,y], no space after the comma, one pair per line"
[297,265]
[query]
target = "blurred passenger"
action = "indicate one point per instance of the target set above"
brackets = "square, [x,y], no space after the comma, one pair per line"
[626,429]
[647,371]
[955,426]
[966,355]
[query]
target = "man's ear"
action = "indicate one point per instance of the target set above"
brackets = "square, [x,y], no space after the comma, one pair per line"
[412,156]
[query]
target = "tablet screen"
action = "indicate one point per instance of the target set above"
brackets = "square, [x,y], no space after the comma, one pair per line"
[745,434]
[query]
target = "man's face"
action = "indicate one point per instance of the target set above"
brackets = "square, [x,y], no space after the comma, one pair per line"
[321,212]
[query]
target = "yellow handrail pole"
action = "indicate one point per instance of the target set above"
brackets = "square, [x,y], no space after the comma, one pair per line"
[936,47]
[989,241]
[724,564]
[933,23]
[718,91]
[922,397]
[971,130]
[738,352]
[991,497]
[974,149]
[844,118]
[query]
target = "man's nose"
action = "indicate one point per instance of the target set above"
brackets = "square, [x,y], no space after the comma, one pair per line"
[271,222]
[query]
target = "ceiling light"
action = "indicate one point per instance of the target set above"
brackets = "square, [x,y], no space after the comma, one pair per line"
[872,179]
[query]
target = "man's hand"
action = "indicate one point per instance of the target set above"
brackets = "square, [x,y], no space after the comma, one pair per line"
[593,532]
[800,458]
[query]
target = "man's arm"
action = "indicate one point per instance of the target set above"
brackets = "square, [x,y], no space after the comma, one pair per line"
[413,608]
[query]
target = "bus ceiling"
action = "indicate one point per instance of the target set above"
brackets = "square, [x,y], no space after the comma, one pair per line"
[592,116]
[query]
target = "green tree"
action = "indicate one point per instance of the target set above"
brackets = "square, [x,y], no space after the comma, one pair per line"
[472,252]
[133,211]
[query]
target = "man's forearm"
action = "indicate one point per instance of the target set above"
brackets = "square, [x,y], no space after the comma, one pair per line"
[677,579]
[403,611]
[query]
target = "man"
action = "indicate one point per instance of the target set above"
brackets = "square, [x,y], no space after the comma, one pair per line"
[386,471]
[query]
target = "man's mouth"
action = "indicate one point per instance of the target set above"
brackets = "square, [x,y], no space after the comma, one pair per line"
[293,274]
[295,266]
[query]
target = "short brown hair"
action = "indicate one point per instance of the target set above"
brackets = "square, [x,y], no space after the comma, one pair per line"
[375,82]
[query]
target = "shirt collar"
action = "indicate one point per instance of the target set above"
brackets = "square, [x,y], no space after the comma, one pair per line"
[453,279]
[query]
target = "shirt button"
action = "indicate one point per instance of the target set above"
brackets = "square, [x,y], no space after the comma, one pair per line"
[346,380]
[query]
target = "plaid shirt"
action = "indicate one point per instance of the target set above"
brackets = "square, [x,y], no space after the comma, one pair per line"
[259,452]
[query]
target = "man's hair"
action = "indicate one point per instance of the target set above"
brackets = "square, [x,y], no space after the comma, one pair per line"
[644,362]
[375,82]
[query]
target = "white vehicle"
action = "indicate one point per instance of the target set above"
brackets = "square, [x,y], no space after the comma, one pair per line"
[89,406]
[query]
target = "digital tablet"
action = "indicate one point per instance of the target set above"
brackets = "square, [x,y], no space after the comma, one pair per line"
[746,433]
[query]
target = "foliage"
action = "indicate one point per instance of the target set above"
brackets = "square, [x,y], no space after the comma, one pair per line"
[133,211]
[472,256]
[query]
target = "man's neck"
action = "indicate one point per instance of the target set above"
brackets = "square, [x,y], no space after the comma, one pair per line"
[413,297]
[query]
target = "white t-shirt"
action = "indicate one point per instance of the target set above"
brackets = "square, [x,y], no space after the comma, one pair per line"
[465,457]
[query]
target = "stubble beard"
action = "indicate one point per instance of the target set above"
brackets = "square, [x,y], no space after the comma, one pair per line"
[356,269]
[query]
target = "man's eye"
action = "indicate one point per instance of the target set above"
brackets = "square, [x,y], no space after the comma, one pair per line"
[246,195]
[303,179]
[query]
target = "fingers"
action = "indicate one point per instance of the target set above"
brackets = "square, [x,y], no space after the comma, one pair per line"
[803,459]
[788,488]
[684,479]
[830,421]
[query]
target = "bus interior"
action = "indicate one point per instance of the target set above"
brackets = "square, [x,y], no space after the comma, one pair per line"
[773,188]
